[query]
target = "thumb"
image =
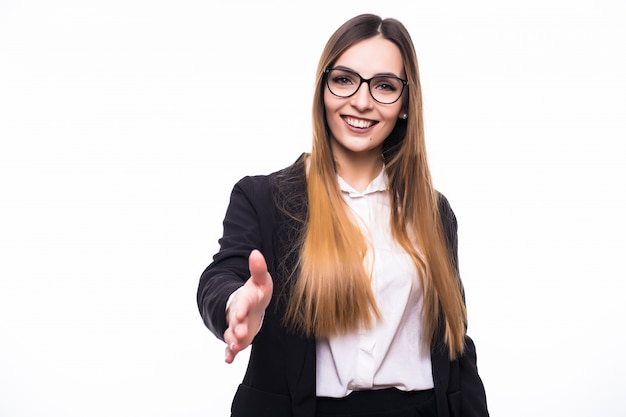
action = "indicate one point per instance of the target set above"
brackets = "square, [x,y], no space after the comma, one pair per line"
[258,269]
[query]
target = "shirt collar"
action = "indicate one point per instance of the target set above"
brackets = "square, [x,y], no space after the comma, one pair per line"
[377,184]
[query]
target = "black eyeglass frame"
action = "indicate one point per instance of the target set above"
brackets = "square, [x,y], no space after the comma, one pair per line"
[327,71]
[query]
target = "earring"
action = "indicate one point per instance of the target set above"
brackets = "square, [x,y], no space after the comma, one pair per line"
[404,116]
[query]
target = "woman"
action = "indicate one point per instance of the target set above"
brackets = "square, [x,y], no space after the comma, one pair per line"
[341,270]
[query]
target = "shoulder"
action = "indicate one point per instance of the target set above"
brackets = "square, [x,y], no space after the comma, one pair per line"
[263,185]
[445,210]
[450,227]
[264,182]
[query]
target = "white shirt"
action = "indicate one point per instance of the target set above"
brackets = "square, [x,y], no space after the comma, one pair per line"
[390,354]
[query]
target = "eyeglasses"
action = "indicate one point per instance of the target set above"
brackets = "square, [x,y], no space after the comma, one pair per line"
[385,89]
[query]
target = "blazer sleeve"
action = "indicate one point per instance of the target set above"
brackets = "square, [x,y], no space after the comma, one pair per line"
[473,396]
[229,269]
[466,391]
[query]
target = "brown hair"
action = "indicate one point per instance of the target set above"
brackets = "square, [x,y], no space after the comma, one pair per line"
[333,293]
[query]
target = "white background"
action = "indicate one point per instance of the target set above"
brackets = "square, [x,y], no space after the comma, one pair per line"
[125,123]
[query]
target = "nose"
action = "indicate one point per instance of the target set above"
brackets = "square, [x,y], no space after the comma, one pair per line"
[362,99]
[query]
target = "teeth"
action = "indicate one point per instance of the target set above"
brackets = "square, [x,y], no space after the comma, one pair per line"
[361,124]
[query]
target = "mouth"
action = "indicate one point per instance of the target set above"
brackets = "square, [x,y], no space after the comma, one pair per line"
[359,123]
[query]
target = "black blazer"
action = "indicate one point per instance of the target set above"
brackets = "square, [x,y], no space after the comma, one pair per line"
[267,213]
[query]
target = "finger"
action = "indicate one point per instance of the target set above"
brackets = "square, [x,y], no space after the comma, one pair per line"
[229,355]
[232,341]
[241,333]
[241,309]
[229,337]
[240,305]
[258,269]
[237,337]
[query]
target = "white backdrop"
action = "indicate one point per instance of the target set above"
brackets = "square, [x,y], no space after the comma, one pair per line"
[125,123]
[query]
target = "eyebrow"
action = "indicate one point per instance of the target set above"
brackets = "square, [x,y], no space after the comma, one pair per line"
[381,74]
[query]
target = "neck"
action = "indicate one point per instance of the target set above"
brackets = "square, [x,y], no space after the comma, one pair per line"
[358,169]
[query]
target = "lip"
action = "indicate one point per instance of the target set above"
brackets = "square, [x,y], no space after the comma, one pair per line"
[359,124]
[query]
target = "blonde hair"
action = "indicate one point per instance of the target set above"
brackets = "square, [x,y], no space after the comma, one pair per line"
[332,294]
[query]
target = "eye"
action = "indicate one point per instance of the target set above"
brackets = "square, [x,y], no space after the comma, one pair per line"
[386,84]
[343,79]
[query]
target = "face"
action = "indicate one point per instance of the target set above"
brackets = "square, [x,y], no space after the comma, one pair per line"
[359,124]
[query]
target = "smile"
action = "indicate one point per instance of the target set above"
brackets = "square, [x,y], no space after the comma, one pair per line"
[359,123]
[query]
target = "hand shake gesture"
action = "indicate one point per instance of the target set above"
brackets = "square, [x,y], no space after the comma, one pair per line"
[247,307]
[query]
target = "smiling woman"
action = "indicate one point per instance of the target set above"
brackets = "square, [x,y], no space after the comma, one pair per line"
[341,270]
[124,125]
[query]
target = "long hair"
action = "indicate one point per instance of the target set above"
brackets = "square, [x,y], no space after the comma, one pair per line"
[332,294]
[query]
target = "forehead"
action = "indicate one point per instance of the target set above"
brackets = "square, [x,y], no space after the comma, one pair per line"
[372,56]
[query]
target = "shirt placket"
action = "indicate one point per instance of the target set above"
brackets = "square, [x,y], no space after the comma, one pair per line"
[365,360]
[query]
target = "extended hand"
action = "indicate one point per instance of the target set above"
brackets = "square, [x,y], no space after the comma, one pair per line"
[247,307]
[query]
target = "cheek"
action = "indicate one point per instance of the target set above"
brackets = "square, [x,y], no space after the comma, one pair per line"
[394,112]
[329,102]
[391,118]
[331,107]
